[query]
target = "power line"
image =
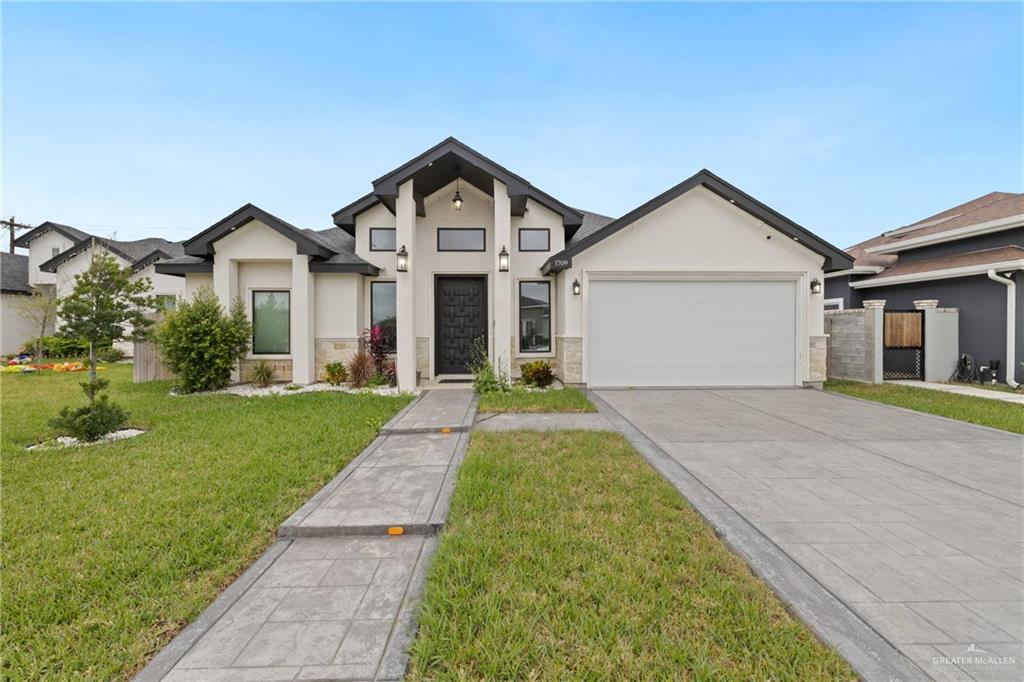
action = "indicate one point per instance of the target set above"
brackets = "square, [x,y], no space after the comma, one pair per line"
[13,226]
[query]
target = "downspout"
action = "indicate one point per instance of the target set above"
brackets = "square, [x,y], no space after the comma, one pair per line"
[1011,324]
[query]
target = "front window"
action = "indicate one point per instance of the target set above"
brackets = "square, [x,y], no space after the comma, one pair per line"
[534,317]
[382,239]
[531,239]
[461,239]
[271,322]
[383,311]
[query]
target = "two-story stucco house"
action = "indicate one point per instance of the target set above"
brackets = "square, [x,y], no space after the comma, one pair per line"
[702,285]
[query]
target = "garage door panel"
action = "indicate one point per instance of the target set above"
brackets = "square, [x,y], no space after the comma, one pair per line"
[691,333]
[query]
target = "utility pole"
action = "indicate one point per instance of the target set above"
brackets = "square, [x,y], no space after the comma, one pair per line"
[13,225]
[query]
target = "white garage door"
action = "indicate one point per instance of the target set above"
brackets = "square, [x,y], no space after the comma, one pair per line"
[687,333]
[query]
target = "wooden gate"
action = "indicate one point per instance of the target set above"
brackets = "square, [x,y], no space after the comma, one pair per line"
[903,345]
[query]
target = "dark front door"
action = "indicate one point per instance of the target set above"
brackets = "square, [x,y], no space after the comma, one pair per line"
[460,317]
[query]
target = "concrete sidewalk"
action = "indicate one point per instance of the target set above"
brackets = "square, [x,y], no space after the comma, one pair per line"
[965,389]
[335,597]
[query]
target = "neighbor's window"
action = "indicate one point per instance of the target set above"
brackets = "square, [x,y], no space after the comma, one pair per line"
[383,310]
[54,251]
[166,301]
[531,239]
[382,239]
[271,322]
[534,317]
[461,239]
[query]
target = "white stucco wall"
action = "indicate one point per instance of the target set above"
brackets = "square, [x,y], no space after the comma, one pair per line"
[163,285]
[196,280]
[14,331]
[40,251]
[339,303]
[77,264]
[696,233]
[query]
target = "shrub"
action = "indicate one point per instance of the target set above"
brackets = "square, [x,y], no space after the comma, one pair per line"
[377,380]
[360,369]
[537,373]
[336,373]
[95,420]
[376,342]
[485,378]
[262,374]
[110,354]
[201,343]
[64,347]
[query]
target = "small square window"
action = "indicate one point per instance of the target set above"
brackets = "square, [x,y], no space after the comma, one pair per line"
[533,239]
[382,239]
[54,251]
[461,239]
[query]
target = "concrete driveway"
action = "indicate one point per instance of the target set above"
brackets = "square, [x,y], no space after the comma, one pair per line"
[915,522]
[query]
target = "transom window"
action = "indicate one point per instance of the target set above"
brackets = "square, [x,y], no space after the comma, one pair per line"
[271,322]
[534,239]
[382,239]
[461,239]
[534,317]
[383,311]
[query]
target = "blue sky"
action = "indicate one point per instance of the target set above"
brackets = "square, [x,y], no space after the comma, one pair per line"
[142,120]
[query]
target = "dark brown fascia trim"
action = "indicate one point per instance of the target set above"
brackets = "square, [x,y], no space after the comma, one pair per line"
[68,254]
[24,240]
[202,243]
[356,268]
[149,258]
[345,217]
[15,292]
[182,269]
[835,258]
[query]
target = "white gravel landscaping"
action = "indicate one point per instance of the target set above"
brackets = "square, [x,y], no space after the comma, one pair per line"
[250,391]
[69,442]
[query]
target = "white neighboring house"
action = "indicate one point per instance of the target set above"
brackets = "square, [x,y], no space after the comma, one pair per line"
[702,285]
[59,252]
[14,331]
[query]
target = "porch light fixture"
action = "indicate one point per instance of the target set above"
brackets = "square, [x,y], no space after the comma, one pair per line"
[457,199]
[403,260]
[503,260]
[576,287]
[815,286]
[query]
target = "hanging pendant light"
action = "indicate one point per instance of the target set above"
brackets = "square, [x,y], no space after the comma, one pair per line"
[457,199]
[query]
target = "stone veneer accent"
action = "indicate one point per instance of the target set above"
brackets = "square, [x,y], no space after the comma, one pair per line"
[282,369]
[333,350]
[423,356]
[569,359]
[518,360]
[851,338]
[818,356]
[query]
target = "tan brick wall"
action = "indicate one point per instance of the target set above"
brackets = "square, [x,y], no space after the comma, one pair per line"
[569,358]
[518,360]
[333,350]
[282,369]
[818,359]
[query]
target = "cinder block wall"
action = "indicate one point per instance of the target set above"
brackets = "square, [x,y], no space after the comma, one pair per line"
[854,344]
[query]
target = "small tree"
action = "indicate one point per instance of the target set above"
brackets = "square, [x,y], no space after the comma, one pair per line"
[201,343]
[106,305]
[39,310]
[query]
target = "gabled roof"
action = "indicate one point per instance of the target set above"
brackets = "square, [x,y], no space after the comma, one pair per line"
[835,258]
[131,251]
[166,252]
[202,243]
[943,267]
[331,250]
[72,233]
[440,165]
[14,274]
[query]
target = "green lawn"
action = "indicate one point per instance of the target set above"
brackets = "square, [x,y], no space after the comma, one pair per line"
[109,550]
[984,411]
[567,557]
[568,399]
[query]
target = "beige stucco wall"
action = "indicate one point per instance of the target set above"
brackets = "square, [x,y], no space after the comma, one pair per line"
[164,285]
[196,280]
[698,233]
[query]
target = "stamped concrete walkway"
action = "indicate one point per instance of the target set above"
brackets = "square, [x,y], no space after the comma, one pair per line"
[334,598]
[914,523]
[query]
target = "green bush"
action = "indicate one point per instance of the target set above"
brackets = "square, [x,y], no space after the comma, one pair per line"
[110,354]
[537,373]
[485,378]
[201,343]
[262,374]
[95,420]
[335,373]
[63,347]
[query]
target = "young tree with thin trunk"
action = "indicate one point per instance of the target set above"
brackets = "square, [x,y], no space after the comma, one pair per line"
[39,310]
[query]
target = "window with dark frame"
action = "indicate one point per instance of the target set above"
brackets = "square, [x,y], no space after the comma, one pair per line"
[383,239]
[271,322]
[383,312]
[535,317]
[461,239]
[534,239]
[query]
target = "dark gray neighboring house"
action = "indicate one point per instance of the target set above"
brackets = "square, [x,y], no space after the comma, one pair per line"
[947,257]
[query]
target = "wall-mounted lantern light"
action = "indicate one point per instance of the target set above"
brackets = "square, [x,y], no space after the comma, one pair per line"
[503,260]
[403,260]
[457,199]
[576,287]
[815,286]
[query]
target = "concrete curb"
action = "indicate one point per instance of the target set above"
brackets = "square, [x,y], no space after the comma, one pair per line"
[169,656]
[395,661]
[871,655]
